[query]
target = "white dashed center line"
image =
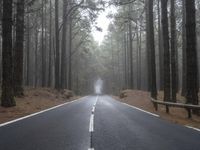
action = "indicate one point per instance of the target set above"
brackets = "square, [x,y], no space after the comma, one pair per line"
[93,109]
[91,125]
[91,128]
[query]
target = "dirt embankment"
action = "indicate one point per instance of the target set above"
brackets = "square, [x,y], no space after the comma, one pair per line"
[141,100]
[35,100]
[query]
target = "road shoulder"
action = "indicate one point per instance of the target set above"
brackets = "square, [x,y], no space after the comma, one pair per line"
[34,100]
[140,99]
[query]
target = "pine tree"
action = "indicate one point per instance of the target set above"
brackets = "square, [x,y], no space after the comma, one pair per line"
[153,87]
[166,50]
[191,54]
[173,52]
[7,97]
[18,50]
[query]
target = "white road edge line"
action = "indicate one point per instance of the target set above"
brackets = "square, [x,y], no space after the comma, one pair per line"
[141,110]
[193,128]
[91,127]
[91,149]
[37,113]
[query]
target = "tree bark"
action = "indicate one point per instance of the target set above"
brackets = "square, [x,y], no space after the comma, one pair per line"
[148,55]
[160,47]
[64,47]
[191,54]
[183,91]
[57,46]
[70,56]
[18,50]
[125,61]
[165,33]
[7,97]
[131,50]
[36,57]
[137,57]
[173,52]
[152,51]
[28,51]
[50,45]
[43,49]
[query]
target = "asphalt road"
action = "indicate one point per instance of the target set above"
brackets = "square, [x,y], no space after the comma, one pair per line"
[98,123]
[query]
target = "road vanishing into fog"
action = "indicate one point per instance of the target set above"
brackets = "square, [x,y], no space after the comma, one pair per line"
[96,123]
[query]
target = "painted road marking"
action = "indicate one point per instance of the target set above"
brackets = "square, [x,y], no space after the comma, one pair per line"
[93,109]
[141,110]
[96,101]
[193,128]
[40,112]
[94,106]
[196,129]
[91,125]
[91,128]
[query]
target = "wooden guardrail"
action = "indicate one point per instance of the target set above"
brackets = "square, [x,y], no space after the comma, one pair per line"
[188,107]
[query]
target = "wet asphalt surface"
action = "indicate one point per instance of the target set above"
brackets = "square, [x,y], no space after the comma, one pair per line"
[116,127]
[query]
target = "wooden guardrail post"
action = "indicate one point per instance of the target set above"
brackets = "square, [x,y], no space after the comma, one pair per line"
[167,109]
[189,113]
[155,106]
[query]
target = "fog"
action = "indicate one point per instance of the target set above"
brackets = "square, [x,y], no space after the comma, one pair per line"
[98,86]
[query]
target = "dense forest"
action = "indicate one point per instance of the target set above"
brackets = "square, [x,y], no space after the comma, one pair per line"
[151,45]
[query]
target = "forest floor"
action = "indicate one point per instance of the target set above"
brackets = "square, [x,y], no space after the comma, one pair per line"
[35,100]
[141,100]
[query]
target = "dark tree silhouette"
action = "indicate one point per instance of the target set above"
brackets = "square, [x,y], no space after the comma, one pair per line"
[165,33]
[152,51]
[173,52]
[57,49]
[18,50]
[191,54]
[183,91]
[7,97]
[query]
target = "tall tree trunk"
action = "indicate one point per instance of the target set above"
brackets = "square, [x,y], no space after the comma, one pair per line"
[0,59]
[112,62]
[45,56]
[137,57]
[18,50]
[36,57]
[128,57]
[28,52]
[173,52]
[57,59]
[160,47]
[140,58]
[165,33]
[70,55]
[125,61]
[131,50]
[64,46]
[183,91]
[7,97]
[1,8]
[50,45]
[191,54]
[148,55]
[152,51]
[43,47]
